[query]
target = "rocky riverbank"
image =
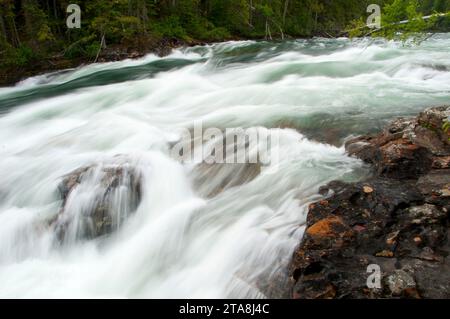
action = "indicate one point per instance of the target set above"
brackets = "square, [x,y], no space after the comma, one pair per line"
[397,221]
[110,54]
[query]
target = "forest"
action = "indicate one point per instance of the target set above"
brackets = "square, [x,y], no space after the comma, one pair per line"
[32,30]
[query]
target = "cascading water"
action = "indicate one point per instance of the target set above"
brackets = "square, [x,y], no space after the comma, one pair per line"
[186,230]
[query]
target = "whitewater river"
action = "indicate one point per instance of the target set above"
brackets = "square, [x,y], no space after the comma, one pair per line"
[188,237]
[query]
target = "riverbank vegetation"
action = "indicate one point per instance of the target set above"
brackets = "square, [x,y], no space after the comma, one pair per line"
[32,31]
[403,20]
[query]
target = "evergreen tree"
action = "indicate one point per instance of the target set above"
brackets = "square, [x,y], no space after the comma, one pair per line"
[35,29]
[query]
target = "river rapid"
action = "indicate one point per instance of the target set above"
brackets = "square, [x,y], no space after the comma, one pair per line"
[179,242]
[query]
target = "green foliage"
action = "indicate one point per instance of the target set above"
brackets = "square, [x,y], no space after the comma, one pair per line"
[40,26]
[130,27]
[446,128]
[24,55]
[91,50]
[84,47]
[233,15]
[401,10]
[404,19]
[357,28]
[265,10]
[218,34]
[171,27]
[36,23]
[16,57]
[45,34]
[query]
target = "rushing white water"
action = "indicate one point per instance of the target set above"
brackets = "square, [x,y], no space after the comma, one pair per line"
[178,242]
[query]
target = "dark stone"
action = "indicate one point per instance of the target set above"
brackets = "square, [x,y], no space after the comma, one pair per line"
[433,118]
[100,214]
[209,181]
[397,219]
[408,147]
[399,281]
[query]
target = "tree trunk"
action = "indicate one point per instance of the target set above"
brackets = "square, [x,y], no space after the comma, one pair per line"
[250,16]
[282,33]
[315,21]
[55,9]
[102,46]
[286,6]
[47,6]
[14,34]
[144,13]
[3,28]
[144,16]
[268,33]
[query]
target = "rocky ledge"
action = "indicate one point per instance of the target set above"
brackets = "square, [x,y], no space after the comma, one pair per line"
[395,224]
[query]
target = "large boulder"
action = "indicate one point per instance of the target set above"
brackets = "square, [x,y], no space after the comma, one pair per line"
[380,222]
[97,199]
[408,147]
[433,119]
[216,173]
[210,180]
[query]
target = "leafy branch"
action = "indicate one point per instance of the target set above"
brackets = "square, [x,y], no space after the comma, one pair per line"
[446,128]
[401,20]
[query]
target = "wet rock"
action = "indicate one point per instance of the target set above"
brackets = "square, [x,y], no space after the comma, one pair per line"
[209,180]
[430,139]
[433,118]
[408,147]
[368,189]
[436,187]
[426,214]
[345,229]
[273,284]
[432,278]
[352,224]
[315,287]
[232,165]
[401,125]
[396,158]
[96,200]
[385,253]
[441,162]
[398,219]
[402,159]
[70,181]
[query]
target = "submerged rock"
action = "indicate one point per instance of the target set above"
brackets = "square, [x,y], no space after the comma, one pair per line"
[225,161]
[397,220]
[96,200]
[209,180]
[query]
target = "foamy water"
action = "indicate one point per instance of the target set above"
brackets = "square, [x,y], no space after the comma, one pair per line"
[179,243]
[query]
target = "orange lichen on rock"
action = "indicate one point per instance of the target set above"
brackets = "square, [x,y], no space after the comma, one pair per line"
[325,227]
